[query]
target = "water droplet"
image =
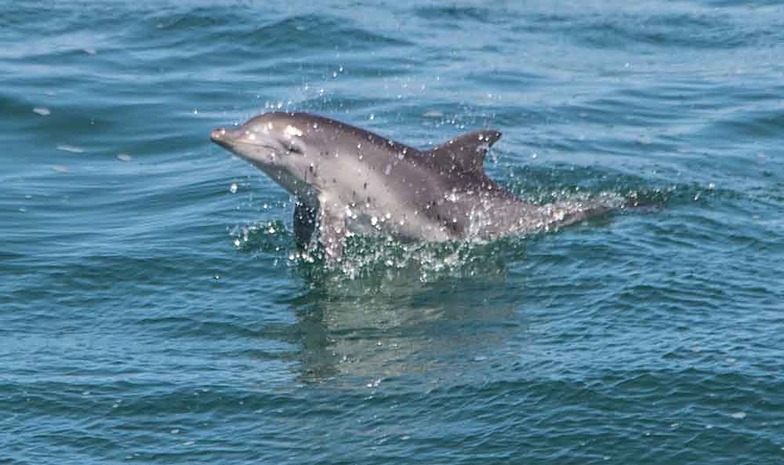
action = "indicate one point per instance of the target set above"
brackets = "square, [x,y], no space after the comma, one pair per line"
[233,188]
[738,415]
[124,157]
[293,131]
[42,111]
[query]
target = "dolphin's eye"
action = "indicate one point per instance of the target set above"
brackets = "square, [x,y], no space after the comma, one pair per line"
[292,148]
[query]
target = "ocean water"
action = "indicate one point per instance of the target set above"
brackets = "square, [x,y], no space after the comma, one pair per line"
[153,309]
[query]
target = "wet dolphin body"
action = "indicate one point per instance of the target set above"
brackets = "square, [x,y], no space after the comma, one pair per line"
[348,180]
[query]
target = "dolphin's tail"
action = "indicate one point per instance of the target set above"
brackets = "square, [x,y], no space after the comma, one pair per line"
[572,215]
[567,213]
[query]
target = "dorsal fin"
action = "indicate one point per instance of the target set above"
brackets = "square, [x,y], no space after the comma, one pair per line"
[466,152]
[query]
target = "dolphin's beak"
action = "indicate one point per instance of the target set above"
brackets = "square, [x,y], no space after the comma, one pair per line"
[219,137]
[217,134]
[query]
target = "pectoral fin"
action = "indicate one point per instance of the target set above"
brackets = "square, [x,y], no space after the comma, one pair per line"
[305,220]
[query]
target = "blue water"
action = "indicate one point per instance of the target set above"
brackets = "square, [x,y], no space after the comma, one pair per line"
[153,309]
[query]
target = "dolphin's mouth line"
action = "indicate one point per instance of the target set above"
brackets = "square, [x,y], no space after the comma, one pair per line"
[219,137]
[265,146]
[252,144]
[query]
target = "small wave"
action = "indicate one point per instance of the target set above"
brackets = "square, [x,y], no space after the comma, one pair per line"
[756,124]
[289,36]
[675,29]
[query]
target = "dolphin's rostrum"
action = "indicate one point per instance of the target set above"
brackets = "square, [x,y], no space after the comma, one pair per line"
[347,180]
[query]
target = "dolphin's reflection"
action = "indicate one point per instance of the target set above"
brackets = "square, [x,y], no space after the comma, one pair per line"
[394,324]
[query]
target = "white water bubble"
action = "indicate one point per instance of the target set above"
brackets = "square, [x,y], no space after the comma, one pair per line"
[233,188]
[738,415]
[124,157]
[374,383]
[70,148]
[43,111]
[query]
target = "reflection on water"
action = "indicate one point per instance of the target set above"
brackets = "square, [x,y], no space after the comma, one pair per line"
[397,323]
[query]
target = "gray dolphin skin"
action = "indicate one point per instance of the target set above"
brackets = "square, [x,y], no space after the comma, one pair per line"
[347,180]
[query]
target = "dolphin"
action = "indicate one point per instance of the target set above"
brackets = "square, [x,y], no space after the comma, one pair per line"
[347,180]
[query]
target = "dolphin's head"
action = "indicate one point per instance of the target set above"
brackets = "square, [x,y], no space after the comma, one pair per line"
[286,146]
[270,140]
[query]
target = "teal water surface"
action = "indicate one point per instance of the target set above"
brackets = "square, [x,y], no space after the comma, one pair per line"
[153,308]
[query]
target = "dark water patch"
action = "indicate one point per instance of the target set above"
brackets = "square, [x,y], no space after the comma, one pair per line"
[460,13]
[175,20]
[516,79]
[752,125]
